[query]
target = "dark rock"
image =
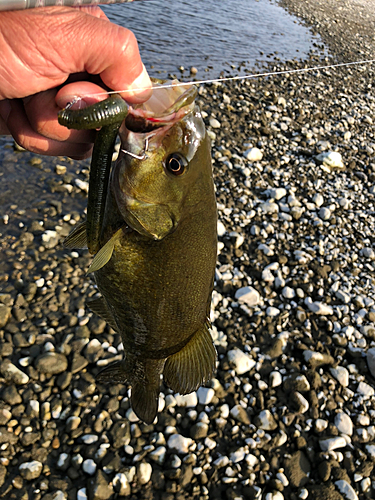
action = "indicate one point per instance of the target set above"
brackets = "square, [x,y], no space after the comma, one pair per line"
[297,468]
[99,487]
[51,363]
[11,396]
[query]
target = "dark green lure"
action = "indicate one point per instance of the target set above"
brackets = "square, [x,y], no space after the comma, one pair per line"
[108,115]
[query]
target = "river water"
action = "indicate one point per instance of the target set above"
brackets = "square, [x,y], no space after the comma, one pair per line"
[211,33]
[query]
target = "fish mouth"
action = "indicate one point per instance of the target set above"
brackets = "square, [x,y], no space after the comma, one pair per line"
[166,106]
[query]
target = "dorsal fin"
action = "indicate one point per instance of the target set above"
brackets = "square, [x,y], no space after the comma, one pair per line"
[77,238]
[194,365]
[104,254]
[99,307]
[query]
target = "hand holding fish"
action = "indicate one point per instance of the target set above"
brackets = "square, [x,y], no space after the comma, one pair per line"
[43,49]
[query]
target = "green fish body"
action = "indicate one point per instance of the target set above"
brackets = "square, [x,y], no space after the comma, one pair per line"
[158,248]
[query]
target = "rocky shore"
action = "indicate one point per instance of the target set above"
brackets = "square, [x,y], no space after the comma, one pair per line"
[290,413]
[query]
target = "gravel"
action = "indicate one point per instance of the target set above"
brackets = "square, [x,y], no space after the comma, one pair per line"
[290,413]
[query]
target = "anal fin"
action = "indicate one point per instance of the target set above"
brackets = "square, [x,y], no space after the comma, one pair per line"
[194,365]
[77,238]
[100,307]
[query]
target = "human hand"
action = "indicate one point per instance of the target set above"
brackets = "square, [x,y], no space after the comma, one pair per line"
[41,49]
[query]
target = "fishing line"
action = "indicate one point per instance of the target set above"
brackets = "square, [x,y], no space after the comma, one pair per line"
[231,78]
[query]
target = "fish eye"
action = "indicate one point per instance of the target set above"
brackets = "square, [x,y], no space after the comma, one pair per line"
[176,164]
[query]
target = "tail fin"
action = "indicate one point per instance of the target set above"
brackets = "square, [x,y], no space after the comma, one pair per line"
[144,377]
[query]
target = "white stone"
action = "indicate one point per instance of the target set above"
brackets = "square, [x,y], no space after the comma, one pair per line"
[303,494]
[82,494]
[365,389]
[370,449]
[63,459]
[247,295]
[267,422]
[221,462]
[89,438]
[371,360]
[332,443]
[318,307]
[253,154]
[179,444]
[205,395]
[89,466]
[251,460]
[288,292]
[346,489]
[221,230]
[188,400]
[344,423]
[275,379]
[272,312]
[238,455]
[144,473]
[341,374]
[82,185]
[158,455]
[318,199]
[320,425]
[365,484]
[214,123]
[325,213]
[304,404]
[120,481]
[241,362]
[331,159]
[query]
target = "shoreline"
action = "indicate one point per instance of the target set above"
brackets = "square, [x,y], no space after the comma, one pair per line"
[298,234]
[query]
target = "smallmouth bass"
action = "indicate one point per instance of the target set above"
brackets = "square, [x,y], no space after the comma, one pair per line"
[153,230]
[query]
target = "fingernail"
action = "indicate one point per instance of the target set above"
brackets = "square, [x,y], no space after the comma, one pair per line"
[141,86]
[5,109]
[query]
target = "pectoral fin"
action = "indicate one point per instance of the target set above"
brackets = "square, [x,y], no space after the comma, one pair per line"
[194,365]
[99,307]
[104,254]
[77,238]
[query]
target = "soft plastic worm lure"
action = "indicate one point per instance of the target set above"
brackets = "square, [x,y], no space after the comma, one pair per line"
[107,114]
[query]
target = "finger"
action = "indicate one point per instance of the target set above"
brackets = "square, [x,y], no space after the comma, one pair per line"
[42,110]
[85,93]
[44,46]
[20,128]
[93,10]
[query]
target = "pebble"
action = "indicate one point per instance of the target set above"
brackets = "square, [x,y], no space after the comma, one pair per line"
[214,123]
[275,379]
[51,363]
[346,490]
[341,374]
[205,395]
[240,361]
[89,466]
[188,400]
[12,374]
[370,356]
[144,471]
[265,420]
[247,295]
[331,159]
[121,484]
[31,470]
[333,443]
[253,154]
[365,389]
[179,444]
[343,423]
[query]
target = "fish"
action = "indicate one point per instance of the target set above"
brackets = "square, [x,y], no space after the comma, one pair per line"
[155,244]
